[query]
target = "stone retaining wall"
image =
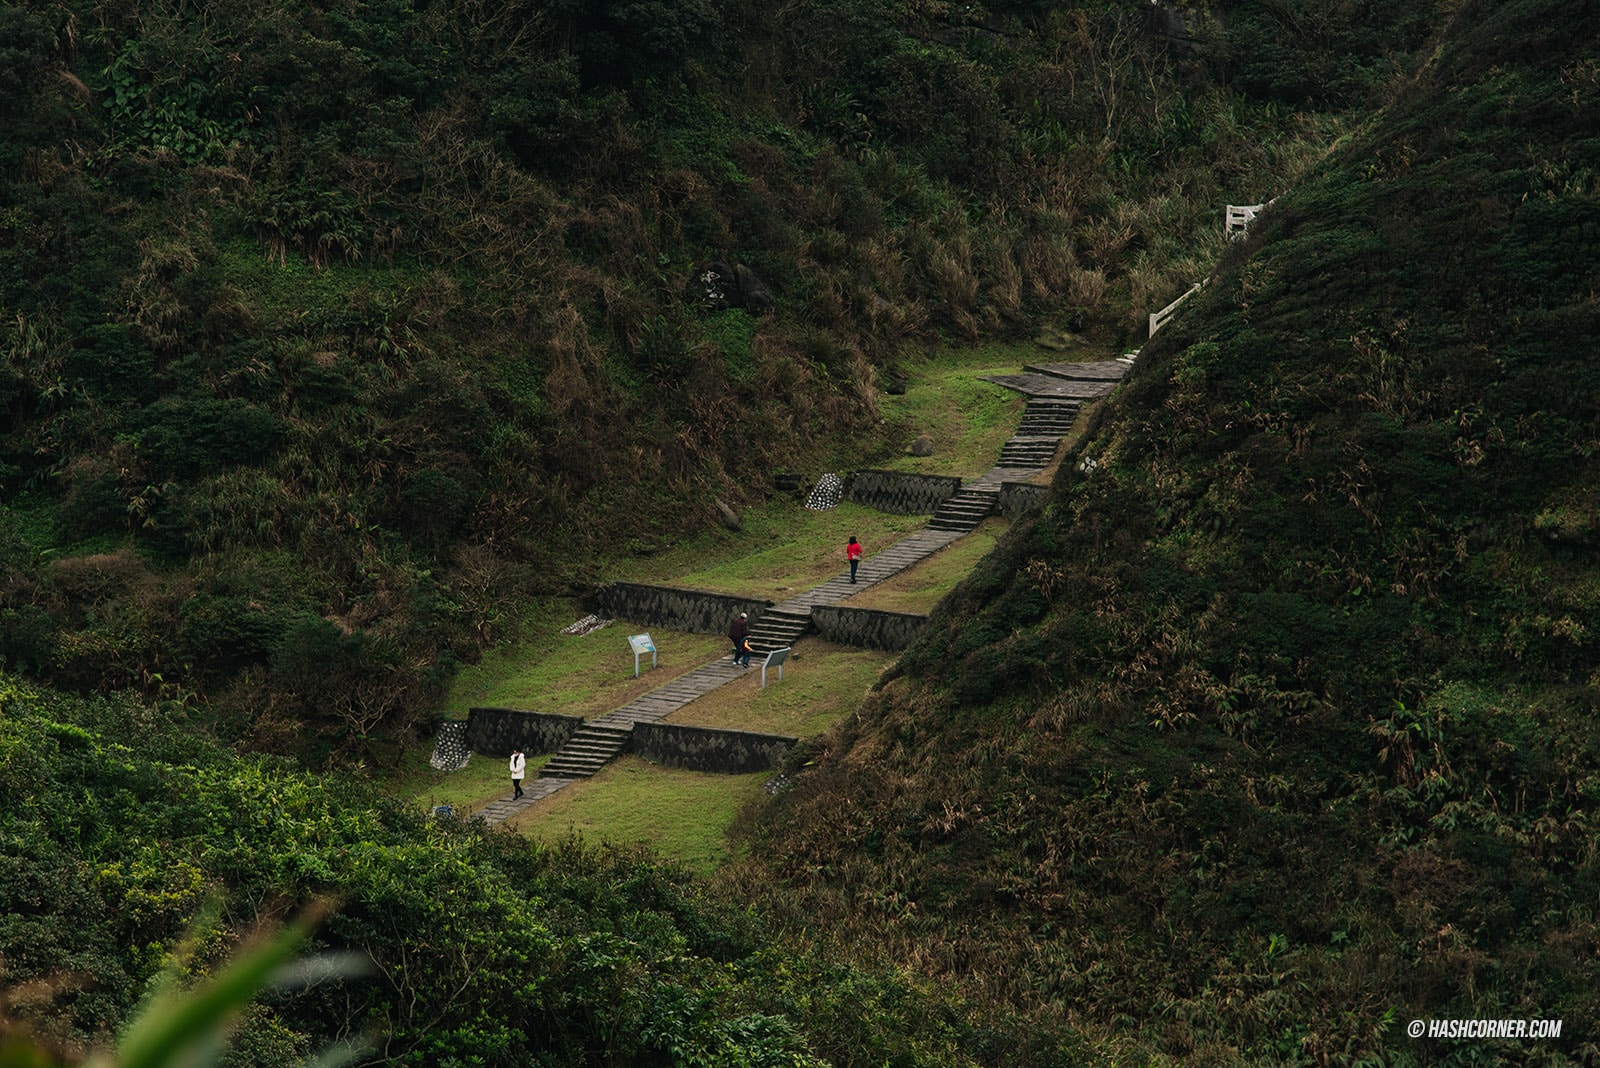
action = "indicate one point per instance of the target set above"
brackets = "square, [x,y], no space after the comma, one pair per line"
[710,749]
[899,493]
[1018,499]
[494,731]
[694,611]
[870,628]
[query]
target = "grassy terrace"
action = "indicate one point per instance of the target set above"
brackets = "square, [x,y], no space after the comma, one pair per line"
[781,549]
[576,675]
[968,420]
[680,814]
[919,588]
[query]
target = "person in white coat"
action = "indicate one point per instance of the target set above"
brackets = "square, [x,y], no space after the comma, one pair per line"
[519,765]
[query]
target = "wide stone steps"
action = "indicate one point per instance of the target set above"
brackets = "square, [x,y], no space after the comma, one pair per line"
[1044,417]
[1090,371]
[590,748]
[1029,452]
[778,629]
[965,510]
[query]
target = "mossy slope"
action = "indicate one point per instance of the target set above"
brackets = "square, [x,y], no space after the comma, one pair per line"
[1278,729]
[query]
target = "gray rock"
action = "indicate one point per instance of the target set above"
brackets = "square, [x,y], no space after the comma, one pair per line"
[729,517]
[923,446]
[754,295]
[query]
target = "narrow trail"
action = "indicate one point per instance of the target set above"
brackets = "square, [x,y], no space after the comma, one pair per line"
[1055,394]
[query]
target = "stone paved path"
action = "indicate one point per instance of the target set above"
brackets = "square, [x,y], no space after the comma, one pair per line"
[604,738]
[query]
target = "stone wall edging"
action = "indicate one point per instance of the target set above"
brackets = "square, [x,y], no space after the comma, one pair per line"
[493,731]
[710,749]
[1018,499]
[693,611]
[901,493]
[872,628]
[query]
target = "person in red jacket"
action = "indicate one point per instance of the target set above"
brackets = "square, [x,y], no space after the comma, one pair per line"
[852,553]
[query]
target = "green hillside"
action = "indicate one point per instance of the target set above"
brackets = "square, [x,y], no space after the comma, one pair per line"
[337,339]
[1278,729]
[329,332]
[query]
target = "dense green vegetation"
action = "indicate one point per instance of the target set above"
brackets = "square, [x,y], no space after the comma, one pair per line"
[329,332]
[1281,726]
[330,335]
[127,845]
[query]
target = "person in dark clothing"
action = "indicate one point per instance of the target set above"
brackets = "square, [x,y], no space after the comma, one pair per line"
[739,633]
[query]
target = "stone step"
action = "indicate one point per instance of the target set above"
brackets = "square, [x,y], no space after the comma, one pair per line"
[1015,451]
[964,511]
[1093,371]
[765,632]
[591,747]
[1051,409]
[569,772]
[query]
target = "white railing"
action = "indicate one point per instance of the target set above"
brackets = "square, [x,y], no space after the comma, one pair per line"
[1237,218]
[1160,317]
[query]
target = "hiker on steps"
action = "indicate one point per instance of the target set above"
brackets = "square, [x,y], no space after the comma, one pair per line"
[739,633]
[519,764]
[852,552]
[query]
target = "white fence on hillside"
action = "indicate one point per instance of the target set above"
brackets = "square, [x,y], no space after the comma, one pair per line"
[1237,218]
[1160,317]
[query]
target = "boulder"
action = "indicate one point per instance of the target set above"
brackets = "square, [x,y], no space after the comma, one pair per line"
[729,517]
[923,446]
[754,296]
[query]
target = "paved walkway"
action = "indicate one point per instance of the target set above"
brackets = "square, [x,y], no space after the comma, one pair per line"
[602,739]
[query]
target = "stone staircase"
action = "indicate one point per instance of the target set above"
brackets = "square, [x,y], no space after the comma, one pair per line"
[778,628]
[589,749]
[965,510]
[1048,417]
[1029,452]
[1045,422]
[1055,393]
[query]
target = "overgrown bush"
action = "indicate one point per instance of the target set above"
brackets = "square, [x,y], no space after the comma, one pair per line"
[130,845]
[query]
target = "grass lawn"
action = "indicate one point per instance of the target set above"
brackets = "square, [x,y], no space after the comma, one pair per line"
[584,675]
[919,588]
[822,682]
[684,815]
[968,419]
[681,814]
[784,549]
